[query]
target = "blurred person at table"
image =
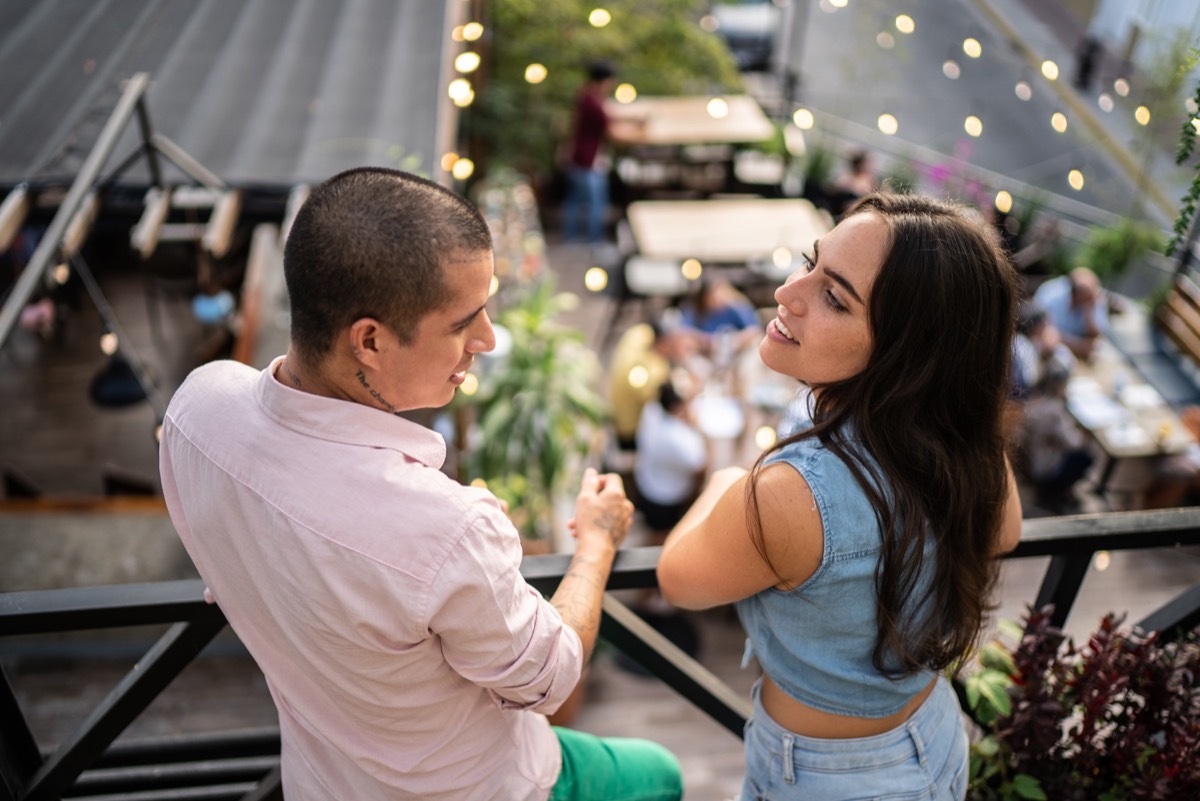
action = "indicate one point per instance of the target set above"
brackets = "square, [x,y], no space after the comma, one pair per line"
[586,204]
[383,600]
[1076,306]
[716,310]
[857,180]
[672,456]
[1054,447]
[1036,345]
[641,363]
[861,552]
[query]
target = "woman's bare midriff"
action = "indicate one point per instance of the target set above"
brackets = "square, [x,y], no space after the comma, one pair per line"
[802,719]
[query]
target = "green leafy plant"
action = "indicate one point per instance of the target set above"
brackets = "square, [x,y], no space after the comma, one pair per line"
[1110,251]
[1187,148]
[536,411]
[1115,720]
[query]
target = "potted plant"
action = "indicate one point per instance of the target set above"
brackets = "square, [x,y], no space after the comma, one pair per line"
[536,411]
[1116,719]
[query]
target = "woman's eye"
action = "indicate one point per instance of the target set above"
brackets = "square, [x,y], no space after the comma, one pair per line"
[806,263]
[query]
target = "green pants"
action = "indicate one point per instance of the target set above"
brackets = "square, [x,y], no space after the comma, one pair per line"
[615,769]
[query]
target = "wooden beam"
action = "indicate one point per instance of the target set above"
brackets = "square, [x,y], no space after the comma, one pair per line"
[144,236]
[221,223]
[13,212]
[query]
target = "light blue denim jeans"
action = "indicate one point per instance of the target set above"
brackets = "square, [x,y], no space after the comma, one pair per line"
[586,204]
[924,759]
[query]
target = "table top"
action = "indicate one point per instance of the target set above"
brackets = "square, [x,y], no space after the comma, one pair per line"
[1127,417]
[693,119]
[726,230]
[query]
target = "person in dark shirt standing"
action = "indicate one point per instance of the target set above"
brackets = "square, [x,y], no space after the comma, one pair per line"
[587,168]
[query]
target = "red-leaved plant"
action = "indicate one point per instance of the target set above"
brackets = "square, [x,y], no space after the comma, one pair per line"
[1117,719]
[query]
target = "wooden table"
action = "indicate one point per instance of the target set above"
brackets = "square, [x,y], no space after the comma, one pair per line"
[693,119]
[735,231]
[1127,418]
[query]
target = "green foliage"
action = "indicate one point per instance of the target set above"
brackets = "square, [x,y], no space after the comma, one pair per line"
[1115,720]
[536,413]
[1187,148]
[656,45]
[1109,251]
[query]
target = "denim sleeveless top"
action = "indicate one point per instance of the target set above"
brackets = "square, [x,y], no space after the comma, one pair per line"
[816,641]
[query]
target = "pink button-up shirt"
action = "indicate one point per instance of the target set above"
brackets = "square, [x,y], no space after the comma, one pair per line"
[383,601]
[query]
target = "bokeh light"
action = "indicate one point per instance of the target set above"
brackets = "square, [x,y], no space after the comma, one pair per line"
[599,17]
[1024,90]
[595,279]
[803,118]
[972,47]
[888,124]
[463,169]
[885,40]
[1050,70]
[639,376]
[718,108]
[1121,87]
[61,274]
[1058,121]
[625,93]
[951,69]
[973,126]
[765,437]
[1075,179]
[1142,115]
[691,269]
[905,24]
[108,343]
[494,286]
[466,62]
[1004,201]
[536,73]
[470,384]
[781,257]
[1105,101]
[472,31]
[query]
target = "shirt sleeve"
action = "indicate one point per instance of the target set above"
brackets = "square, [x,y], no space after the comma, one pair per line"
[496,630]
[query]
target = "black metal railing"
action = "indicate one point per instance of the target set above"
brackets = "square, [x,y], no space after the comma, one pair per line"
[244,765]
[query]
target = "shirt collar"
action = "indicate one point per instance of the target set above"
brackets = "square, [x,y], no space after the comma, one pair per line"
[345,421]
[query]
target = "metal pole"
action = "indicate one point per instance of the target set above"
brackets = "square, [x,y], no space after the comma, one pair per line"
[47,249]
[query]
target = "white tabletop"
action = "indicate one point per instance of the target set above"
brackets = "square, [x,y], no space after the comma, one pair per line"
[693,119]
[725,230]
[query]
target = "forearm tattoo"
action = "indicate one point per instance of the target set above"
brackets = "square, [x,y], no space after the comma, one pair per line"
[578,599]
[609,522]
[362,379]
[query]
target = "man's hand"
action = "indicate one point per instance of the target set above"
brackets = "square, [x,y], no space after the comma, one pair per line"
[601,509]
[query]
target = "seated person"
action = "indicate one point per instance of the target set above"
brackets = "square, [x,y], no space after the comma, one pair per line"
[641,362]
[718,307]
[1075,305]
[1035,345]
[1056,453]
[671,458]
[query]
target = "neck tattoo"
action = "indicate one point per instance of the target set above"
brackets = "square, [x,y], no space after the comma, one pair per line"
[362,379]
[295,379]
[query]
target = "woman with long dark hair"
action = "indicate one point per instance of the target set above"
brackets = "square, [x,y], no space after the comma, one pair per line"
[860,551]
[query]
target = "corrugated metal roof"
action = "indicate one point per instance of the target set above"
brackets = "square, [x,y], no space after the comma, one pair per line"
[259,91]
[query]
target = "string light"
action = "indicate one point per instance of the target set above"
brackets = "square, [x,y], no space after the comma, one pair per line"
[472,31]
[639,376]
[781,258]
[765,437]
[972,47]
[463,169]
[599,17]
[973,126]
[1004,201]
[1142,115]
[494,286]
[466,62]
[625,93]
[1105,101]
[1024,90]
[1050,70]
[888,124]
[885,40]
[536,73]
[709,24]
[951,69]
[1121,87]
[108,343]
[460,92]
[1102,560]
[470,384]
[1075,179]
[61,274]
[691,269]
[595,279]
[905,24]
[448,161]
[1059,122]
[803,118]
[718,108]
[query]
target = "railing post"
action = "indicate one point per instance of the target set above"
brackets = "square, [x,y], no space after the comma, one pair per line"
[19,755]
[162,663]
[1060,586]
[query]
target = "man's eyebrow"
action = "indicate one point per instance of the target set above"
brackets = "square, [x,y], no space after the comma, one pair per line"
[836,276]
[462,323]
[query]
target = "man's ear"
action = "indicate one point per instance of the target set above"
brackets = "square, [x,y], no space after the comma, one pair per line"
[368,339]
